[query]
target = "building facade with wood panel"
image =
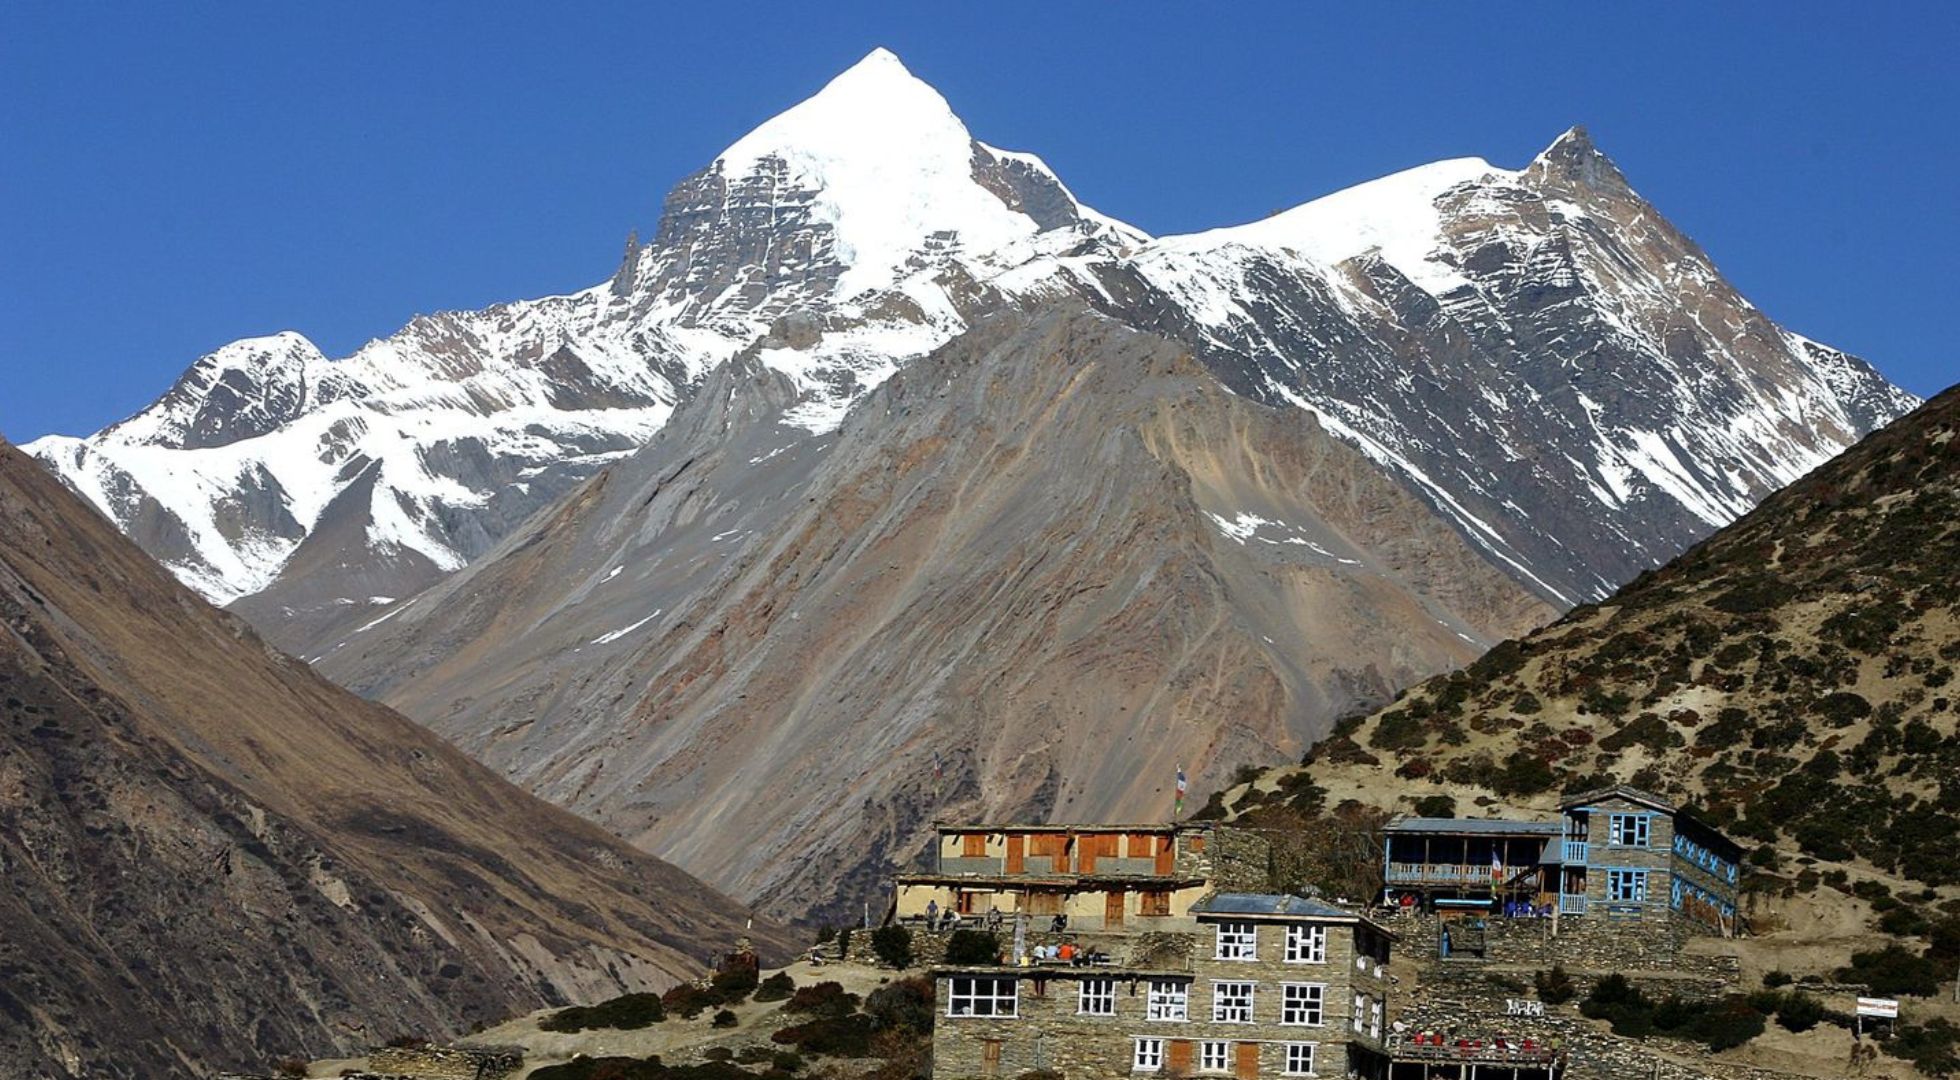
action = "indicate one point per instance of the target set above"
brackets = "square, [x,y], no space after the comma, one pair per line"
[1099,876]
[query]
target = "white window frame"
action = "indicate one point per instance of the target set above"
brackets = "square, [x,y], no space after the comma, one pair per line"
[1169,999]
[1306,944]
[1375,1019]
[1237,941]
[1359,1014]
[1293,1049]
[1096,997]
[1236,1012]
[974,997]
[1302,1000]
[1618,878]
[1223,1061]
[1147,1055]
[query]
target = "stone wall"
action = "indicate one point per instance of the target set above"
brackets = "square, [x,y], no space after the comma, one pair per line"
[446,1062]
[1050,1033]
[1583,945]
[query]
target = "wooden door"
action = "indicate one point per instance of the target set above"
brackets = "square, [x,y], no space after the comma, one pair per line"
[990,1057]
[1017,853]
[1113,908]
[1178,1061]
[1165,856]
[1247,1065]
[1062,845]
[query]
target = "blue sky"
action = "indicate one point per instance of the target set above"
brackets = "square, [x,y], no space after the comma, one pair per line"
[173,177]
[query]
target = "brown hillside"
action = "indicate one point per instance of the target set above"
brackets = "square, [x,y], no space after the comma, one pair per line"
[209,856]
[1792,677]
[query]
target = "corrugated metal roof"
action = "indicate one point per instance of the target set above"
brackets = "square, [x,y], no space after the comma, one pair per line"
[1631,794]
[1477,826]
[1270,904]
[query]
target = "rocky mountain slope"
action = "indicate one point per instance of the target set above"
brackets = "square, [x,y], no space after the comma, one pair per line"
[1520,386]
[1563,375]
[209,855]
[1056,556]
[1791,677]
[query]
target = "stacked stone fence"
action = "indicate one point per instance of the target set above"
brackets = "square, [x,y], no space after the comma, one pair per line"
[446,1062]
[1581,946]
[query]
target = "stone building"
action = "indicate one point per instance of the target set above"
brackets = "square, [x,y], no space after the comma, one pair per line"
[1616,853]
[1252,985]
[1099,876]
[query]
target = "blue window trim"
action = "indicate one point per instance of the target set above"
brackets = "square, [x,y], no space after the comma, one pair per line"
[1616,829]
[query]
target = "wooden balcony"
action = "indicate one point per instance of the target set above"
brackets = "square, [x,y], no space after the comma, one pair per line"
[1475,875]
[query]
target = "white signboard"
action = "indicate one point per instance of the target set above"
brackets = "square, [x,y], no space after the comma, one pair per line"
[1524,1007]
[1883,1008]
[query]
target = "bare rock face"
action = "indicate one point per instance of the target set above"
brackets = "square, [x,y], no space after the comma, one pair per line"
[1057,554]
[210,857]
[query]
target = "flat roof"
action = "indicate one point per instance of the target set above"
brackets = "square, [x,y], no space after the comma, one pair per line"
[1158,827]
[1476,826]
[1280,904]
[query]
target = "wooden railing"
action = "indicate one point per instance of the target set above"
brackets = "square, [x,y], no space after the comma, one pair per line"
[1446,873]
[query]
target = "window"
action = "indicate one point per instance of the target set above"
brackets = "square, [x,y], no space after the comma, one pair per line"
[1302,1003]
[1154,902]
[1237,941]
[1169,1000]
[1623,886]
[1214,1056]
[980,996]
[1299,1059]
[1097,997]
[1306,944]
[1374,1019]
[1149,1055]
[1360,1014]
[1628,830]
[973,846]
[1231,1002]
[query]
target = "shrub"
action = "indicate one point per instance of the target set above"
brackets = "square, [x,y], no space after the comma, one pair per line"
[724,1019]
[1436,806]
[1399,730]
[830,1036]
[718,1053]
[1932,1047]
[1554,987]
[893,946]
[1892,970]
[777,987]
[1799,1012]
[972,947]
[1775,979]
[822,999]
[628,1012]
[903,1005]
[1524,774]
[688,1000]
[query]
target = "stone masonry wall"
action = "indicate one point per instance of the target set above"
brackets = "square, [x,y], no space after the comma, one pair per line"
[1583,945]
[446,1062]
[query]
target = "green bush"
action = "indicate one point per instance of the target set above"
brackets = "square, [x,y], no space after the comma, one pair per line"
[972,947]
[777,987]
[687,1000]
[1436,806]
[1892,970]
[822,999]
[830,1036]
[1554,987]
[1932,1047]
[1799,1012]
[901,1005]
[893,946]
[627,1012]
[1775,979]
[1399,730]
[724,1019]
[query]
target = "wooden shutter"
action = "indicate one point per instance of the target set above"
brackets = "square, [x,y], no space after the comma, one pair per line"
[1139,846]
[1113,908]
[1154,902]
[990,1056]
[1165,856]
[1248,1061]
[1061,855]
[1178,1061]
[1091,847]
[973,846]
[1017,854]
